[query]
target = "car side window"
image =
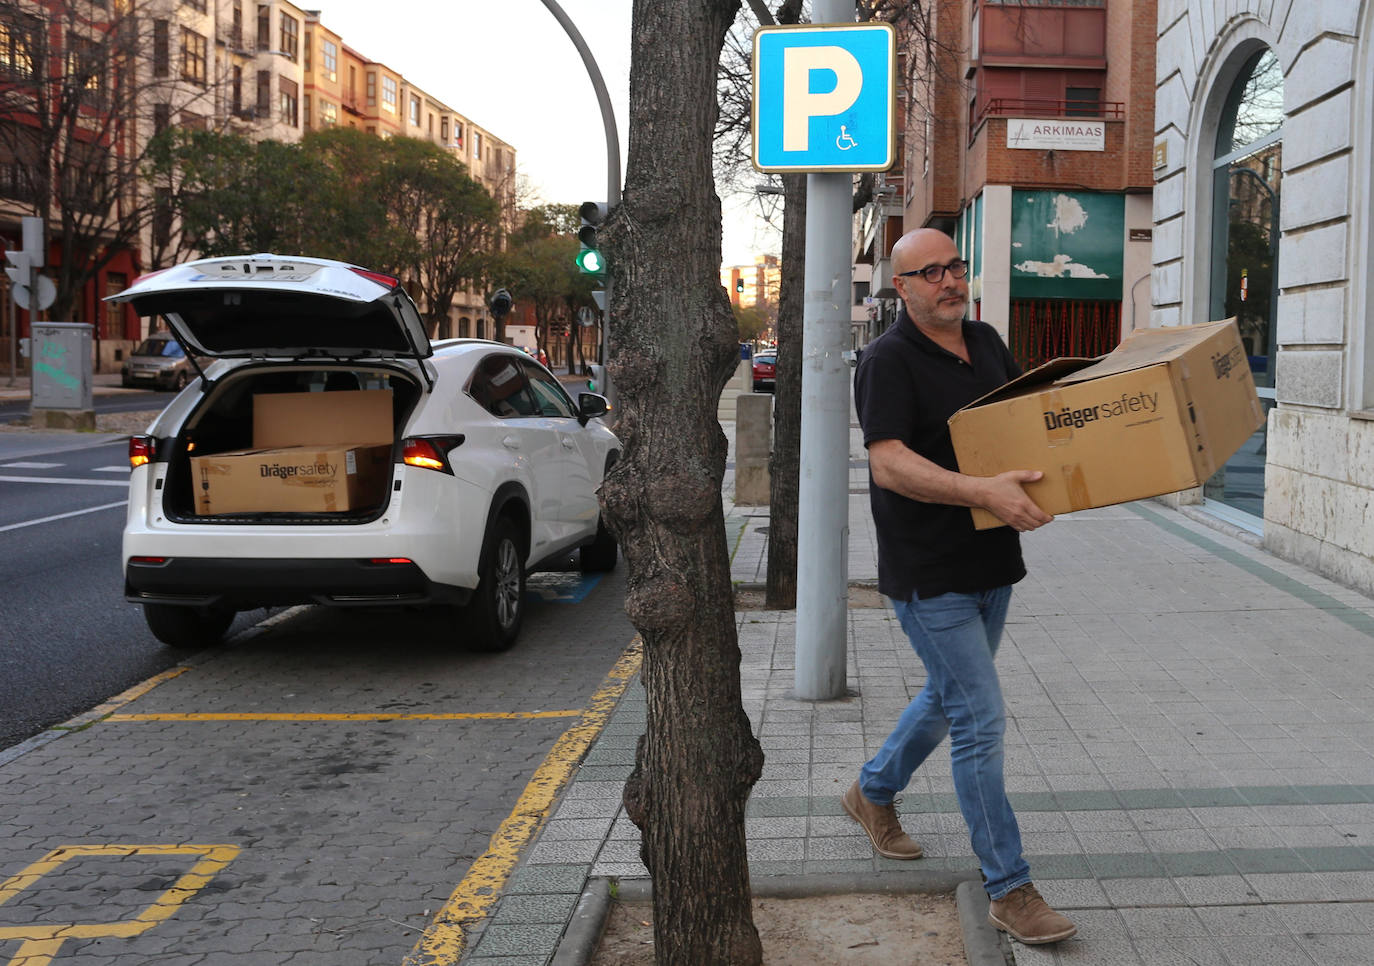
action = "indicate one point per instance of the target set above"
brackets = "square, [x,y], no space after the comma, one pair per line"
[553,400]
[499,385]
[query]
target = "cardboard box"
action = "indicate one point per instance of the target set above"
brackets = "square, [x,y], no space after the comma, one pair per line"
[1160,413]
[303,479]
[313,452]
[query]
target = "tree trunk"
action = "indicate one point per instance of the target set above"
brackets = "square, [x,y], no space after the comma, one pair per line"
[784,463]
[673,347]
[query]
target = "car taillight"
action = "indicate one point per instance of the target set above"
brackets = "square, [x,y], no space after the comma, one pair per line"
[142,449]
[430,452]
[381,278]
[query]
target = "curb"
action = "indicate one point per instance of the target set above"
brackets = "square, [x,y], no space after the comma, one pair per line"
[982,944]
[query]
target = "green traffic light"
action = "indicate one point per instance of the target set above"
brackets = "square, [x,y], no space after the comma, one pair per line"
[590,262]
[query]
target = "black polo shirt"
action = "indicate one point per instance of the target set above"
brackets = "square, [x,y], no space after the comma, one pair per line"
[906,388]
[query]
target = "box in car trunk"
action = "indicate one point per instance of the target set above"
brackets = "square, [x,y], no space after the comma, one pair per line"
[313,452]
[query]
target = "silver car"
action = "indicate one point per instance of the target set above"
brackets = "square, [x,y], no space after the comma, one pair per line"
[158,361]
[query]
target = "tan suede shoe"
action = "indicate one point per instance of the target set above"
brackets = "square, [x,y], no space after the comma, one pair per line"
[1028,918]
[880,822]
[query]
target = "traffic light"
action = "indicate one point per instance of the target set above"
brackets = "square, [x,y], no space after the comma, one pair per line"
[739,285]
[589,259]
[501,303]
[18,271]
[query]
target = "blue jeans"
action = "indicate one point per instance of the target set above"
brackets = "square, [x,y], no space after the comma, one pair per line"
[956,638]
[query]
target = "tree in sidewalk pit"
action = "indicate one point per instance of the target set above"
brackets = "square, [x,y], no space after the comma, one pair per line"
[673,348]
[448,220]
[538,268]
[78,106]
[750,322]
[228,195]
[926,55]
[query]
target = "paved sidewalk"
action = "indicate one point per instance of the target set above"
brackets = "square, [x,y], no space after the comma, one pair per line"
[1190,751]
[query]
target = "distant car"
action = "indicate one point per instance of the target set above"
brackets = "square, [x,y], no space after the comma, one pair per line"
[765,371]
[487,472]
[158,361]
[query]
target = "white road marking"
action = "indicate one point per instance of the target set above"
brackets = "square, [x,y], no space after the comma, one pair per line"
[29,466]
[55,479]
[63,516]
[111,469]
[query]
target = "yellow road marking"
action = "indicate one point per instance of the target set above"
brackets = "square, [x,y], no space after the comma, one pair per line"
[443,941]
[40,943]
[363,716]
[136,692]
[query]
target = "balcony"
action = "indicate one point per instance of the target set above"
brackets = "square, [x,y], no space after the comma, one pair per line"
[1045,107]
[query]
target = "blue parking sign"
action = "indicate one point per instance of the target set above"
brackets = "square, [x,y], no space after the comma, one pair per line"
[824,98]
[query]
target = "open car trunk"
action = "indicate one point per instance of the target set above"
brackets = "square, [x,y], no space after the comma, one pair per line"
[255,450]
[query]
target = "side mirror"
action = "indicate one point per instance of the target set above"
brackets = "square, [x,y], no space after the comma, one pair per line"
[591,405]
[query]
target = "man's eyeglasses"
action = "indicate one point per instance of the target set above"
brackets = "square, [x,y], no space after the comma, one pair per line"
[934,273]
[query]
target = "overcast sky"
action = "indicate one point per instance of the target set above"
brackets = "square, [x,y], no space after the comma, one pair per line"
[509,66]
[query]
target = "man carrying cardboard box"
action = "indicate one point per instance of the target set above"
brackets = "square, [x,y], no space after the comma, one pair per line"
[950,585]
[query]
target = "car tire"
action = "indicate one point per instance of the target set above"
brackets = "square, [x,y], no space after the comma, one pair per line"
[181,380]
[599,556]
[187,627]
[493,614]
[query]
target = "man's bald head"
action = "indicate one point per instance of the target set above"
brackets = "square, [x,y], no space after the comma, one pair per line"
[917,249]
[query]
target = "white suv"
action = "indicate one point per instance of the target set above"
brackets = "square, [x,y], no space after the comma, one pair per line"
[488,469]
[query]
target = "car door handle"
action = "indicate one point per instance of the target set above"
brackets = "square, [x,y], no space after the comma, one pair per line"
[510,442]
[567,443]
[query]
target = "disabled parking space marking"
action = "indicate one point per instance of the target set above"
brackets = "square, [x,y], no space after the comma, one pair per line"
[560,587]
[445,938]
[39,943]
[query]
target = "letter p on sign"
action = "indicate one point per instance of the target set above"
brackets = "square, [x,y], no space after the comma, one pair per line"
[824,98]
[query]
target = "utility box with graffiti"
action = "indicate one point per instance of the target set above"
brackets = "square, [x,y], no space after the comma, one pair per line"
[60,356]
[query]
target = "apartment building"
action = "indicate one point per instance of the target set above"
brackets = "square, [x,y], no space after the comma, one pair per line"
[1028,138]
[1264,210]
[269,69]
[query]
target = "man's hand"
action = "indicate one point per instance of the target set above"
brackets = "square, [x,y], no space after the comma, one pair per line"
[1003,496]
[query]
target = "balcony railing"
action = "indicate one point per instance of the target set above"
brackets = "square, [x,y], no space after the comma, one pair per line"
[1047,107]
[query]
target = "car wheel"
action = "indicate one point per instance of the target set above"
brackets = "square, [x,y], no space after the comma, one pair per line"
[498,604]
[599,555]
[187,627]
[182,380]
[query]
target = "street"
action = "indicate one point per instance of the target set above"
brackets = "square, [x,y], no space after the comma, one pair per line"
[345,767]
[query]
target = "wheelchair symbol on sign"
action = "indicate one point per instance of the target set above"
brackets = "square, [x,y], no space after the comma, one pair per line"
[844,142]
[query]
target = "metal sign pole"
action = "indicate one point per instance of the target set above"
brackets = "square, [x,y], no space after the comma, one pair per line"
[823,488]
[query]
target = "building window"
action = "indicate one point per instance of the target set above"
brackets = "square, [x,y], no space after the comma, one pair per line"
[290,38]
[236,90]
[458,134]
[236,27]
[162,48]
[195,4]
[113,323]
[389,95]
[264,27]
[371,88]
[162,217]
[264,93]
[1246,167]
[287,101]
[414,110]
[162,118]
[330,60]
[85,69]
[477,145]
[193,56]
[305,112]
[443,130]
[1083,101]
[306,51]
[329,114]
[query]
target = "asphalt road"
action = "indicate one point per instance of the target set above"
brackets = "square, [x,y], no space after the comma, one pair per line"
[68,639]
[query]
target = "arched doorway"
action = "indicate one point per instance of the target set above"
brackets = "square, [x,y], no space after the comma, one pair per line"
[1246,172]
